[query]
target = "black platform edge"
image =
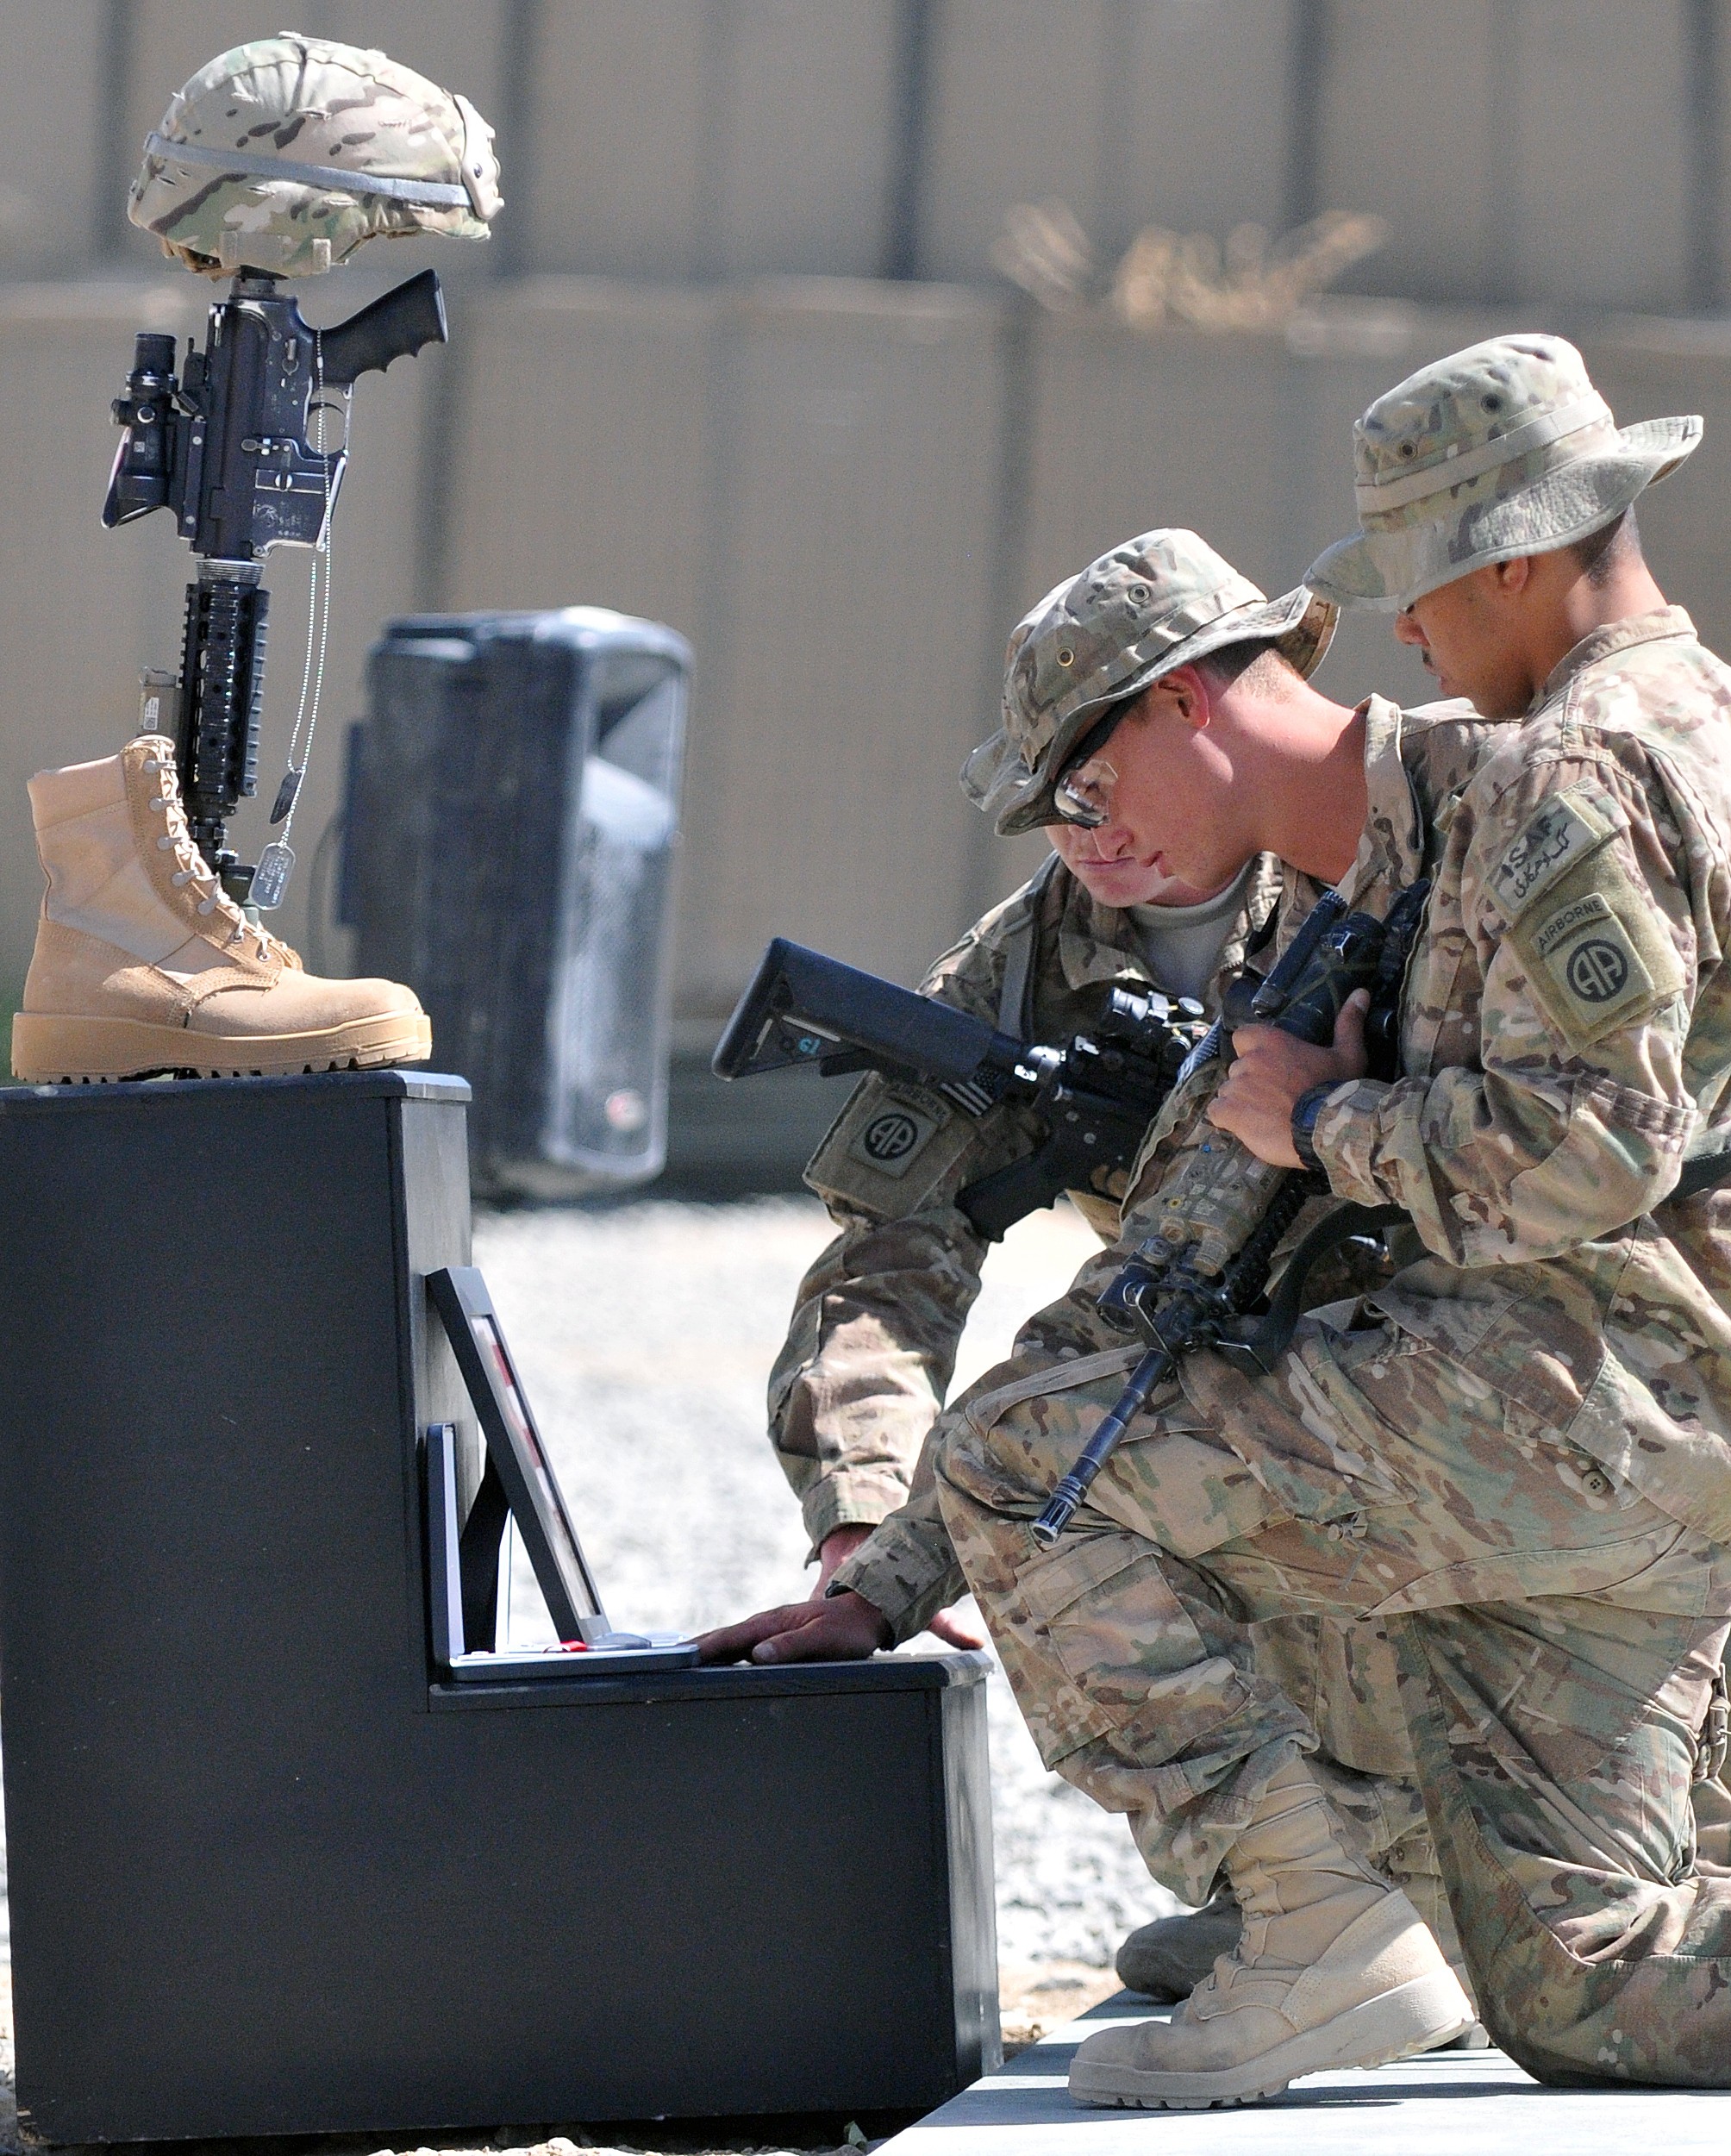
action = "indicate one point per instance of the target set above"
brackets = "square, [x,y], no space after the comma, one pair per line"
[394,1083]
[883,1673]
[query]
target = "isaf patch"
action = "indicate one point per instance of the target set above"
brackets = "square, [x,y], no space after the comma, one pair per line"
[1565,833]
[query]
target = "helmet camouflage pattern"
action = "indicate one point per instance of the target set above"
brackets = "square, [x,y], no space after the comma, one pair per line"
[1146,609]
[285,154]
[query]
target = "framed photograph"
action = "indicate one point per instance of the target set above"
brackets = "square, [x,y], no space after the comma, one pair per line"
[514,1444]
[444,1561]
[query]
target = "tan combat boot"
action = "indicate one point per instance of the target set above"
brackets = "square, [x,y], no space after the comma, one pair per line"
[1412,1865]
[144,964]
[1335,1969]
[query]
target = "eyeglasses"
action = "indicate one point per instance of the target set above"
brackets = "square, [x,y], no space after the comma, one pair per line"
[1084,794]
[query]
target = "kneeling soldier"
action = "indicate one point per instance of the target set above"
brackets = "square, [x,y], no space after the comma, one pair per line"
[1515,1452]
[1160,622]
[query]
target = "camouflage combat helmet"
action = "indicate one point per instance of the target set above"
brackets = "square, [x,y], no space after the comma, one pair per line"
[1149,606]
[285,154]
[1503,449]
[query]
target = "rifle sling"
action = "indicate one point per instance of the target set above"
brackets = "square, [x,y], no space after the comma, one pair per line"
[1260,1346]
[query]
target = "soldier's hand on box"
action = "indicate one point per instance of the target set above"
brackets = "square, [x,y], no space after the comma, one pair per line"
[954,1632]
[1270,1069]
[841,1542]
[837,1546]
[843,1629]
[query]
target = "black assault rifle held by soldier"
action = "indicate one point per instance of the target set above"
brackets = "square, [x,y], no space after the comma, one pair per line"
[228,447]
[1205,1271]
[1096,1096]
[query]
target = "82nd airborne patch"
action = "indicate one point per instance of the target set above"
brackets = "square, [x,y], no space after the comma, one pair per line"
[1592,969]
[894,1138]
[1597,952]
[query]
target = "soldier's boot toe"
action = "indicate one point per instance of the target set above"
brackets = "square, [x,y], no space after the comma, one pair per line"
[1166,1960]
[1380,1990]
[1335,1968]
[1412,1865]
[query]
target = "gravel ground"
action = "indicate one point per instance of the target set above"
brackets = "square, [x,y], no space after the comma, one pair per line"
[645,1336]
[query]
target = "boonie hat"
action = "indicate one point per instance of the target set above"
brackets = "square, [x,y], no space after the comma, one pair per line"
[285,153]
[1503,449]
[1149,606]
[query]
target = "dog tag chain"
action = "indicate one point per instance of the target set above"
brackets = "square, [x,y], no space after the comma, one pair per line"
[277,862]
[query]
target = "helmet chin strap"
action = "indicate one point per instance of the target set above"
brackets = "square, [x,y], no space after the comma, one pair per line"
[240,251]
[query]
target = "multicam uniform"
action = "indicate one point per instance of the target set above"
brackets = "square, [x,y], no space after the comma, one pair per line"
[1517,1452]
[288,153]
[872,1343]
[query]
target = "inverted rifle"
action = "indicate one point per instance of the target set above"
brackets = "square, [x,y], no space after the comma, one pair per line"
[1094,1096]
[228,448]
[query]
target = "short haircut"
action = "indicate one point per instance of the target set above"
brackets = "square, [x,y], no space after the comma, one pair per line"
[1258,667]
[1602,552]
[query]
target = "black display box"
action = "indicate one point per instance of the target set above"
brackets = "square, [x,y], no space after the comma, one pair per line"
[270,1876]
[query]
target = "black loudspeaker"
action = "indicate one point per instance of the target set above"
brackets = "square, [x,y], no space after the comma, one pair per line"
[509,843]
[272,1870]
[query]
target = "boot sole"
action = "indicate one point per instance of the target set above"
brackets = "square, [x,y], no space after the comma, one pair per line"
[1419,2015]
[48,1050]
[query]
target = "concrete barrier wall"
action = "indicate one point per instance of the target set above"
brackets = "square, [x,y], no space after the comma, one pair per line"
[677,386]
[1129,115]
[1546,149]
[672,139]
[1646,368]
[1570,151]
[849,611]
[51,125]
[802,477]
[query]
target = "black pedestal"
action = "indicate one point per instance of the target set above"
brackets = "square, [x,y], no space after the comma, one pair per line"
[268,1875]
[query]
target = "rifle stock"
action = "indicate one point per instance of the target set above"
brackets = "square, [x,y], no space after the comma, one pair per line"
[1096,1097]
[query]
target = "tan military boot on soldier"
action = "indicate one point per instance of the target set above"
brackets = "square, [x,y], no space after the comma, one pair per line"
[144,964]
[1335,1968]
[1166,1960]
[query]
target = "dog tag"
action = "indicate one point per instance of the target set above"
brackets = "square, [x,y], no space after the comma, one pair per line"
[285,795]
[271,878]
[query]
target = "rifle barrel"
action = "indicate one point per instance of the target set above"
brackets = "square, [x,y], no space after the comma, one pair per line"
[1153,1369]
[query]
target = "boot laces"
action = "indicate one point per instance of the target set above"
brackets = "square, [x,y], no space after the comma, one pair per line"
[193,868]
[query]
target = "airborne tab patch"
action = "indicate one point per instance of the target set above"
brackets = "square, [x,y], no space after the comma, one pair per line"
[1563,924]
[1594,976]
